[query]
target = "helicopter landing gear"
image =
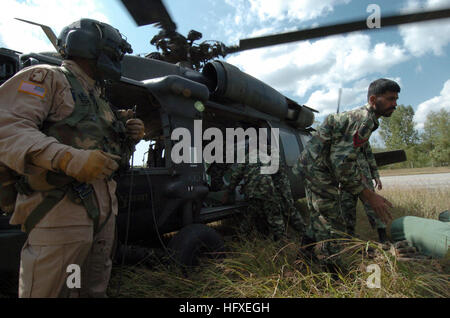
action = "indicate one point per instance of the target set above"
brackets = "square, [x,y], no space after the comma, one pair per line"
[194,242]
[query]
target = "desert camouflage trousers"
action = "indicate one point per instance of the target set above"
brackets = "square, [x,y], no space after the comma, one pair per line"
[48,253]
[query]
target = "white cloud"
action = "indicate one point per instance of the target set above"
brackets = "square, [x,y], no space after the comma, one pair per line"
[433,104]
[259,17]
[322,67]
[56,14]
[426,37]
[301,10]
[351,97]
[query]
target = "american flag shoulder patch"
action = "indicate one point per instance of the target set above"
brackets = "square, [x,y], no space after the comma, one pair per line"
[32,89]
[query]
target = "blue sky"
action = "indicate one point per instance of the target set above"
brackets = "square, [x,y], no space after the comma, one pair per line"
[310,72]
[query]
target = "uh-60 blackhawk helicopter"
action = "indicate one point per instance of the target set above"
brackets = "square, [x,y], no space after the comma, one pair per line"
[176,87]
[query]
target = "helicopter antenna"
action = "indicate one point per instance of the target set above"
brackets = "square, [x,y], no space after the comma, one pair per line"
[339,100]
[48,32]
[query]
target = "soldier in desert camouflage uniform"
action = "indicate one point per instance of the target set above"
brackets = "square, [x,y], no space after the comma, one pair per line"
[60,134]
[329,165]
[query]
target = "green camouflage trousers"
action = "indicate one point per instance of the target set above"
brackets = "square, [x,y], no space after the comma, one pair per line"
[333,212]
[290,213]
[327,221]
[348,203]
[266,216]
[283,195]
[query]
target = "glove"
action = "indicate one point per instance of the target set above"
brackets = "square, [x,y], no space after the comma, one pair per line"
[125,114]
[135,129]
[88,165]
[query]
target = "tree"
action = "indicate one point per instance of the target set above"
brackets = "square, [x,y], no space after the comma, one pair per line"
[398,131]
[436,137]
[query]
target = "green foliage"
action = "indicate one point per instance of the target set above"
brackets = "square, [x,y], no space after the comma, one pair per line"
[430,148]
[436,137]
[398,131]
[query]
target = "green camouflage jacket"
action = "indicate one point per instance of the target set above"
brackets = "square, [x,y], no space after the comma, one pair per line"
[334,149]
[256,184]
[282,184]
[367,162]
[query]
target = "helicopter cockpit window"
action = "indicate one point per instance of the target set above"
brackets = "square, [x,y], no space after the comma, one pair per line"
[156,153]
[290,146]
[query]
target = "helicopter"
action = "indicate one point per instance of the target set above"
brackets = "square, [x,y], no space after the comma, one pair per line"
[178,86]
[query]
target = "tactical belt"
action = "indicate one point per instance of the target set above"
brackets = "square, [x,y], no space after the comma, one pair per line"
[76,191]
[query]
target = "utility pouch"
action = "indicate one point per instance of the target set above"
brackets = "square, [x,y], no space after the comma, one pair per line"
[85,195]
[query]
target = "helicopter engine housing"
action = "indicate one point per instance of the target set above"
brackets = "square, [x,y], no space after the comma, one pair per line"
[227,81]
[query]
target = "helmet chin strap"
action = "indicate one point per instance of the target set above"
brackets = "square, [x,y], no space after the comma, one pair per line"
[106,69]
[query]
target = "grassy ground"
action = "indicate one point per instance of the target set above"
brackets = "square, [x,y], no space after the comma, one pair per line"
[407,171]
[257,267]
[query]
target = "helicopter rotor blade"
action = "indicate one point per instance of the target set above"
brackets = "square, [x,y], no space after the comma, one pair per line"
[48,32]
[150,12]
[269,40]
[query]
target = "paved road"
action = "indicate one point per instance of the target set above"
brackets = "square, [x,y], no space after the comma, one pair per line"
[433,181]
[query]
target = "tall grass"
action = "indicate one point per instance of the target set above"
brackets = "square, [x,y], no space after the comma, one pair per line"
[258,267]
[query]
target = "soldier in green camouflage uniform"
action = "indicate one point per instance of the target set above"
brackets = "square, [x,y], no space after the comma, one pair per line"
[284,196]
[329,165]
[367,164]
[264,208]
[216,171]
